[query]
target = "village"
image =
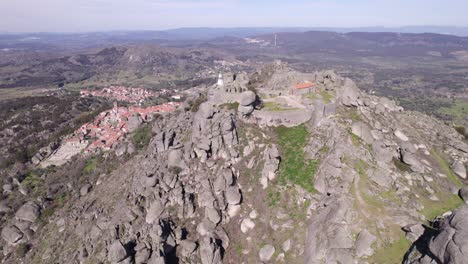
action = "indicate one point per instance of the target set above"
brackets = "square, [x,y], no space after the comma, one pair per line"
[122,93]
[112,126]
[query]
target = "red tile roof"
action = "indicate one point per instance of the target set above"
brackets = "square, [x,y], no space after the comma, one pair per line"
[305,85]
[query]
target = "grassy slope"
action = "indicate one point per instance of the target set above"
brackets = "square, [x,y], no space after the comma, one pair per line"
[294,165]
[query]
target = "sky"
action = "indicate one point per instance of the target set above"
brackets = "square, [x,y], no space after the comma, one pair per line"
[106,15]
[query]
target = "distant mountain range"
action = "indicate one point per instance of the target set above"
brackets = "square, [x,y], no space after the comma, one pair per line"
[447,39]
[203,33]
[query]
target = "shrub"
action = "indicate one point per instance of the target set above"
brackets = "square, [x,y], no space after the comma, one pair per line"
[22,250]
[142,136]
[195,105]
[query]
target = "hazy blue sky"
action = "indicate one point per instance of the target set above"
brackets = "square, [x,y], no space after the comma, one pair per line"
[95,15]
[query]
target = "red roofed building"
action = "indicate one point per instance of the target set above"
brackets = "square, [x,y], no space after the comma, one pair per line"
[303,88]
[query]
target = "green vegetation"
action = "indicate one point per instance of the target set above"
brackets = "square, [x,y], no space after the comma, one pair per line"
[327,97]
[230,106]
[90,166]
[445,167]
[462,131]
[447,202]
[353,114]
[401,166]
[294,166]
[272,106]
[374,204]
[457,111]
[33,181]
[22,249]
[322,94]
[195,104]
[239,249]
[273,198]
[354,139]
[142,136]
[391,253]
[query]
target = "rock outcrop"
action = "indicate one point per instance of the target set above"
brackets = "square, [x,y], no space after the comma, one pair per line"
[447,245]
[224,185]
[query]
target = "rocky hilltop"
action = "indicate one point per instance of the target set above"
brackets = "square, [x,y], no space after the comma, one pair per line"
[259,170]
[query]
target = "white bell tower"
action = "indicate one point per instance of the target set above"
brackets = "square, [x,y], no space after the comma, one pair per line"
[220,80]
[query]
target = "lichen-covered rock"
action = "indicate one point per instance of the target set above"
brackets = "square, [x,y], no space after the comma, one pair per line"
[11,234]
[29,212]
[448,245]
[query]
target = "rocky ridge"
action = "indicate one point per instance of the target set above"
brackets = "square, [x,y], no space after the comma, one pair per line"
[211,188]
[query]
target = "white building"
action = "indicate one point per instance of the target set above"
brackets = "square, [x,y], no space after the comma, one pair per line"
[220,80]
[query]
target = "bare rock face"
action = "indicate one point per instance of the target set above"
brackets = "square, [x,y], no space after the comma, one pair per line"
[364,243]
[11,234]
[248,98]
[155,210]
[271,166]
[175,159]
[206,110]
[448,245]
[233,195]
[85,189]
[117,252]
[412,160]
[134,122]
[414,232]
[245,110]
[400,135]
[363,131]
[459,169]
[463,193]
[29,212]
[210,252]
[350,93]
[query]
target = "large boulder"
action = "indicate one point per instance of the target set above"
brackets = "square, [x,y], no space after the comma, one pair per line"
[247,98]
[233,195]
[11,234]
[448,245]
[459,169]
[363,131]
[350,93]
[175,159]
[463,193]
[245,110]
[154,212]
[400,135]
[29,212]
[206,110]
[117,252]
[210,252]
[134,122]
[412,160]
[266,252]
